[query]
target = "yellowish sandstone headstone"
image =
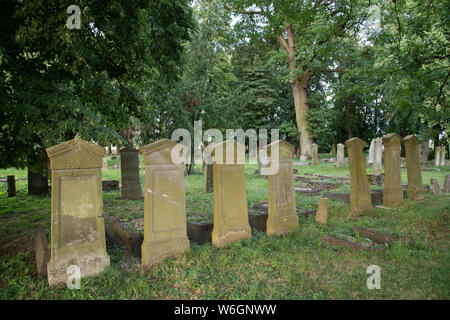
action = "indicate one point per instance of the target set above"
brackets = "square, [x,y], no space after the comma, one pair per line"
[393,191]
[165,232]
[360,199]
[315,155]
[282,217]
[77,225]
[415,189]
[322,211]
[230,199]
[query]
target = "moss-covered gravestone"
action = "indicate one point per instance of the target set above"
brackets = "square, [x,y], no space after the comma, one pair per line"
[230,199]
[415,189]
[315,155]
[360,199]
[393,190]
[77,225]
[282,216]
[165,232]
[130,187]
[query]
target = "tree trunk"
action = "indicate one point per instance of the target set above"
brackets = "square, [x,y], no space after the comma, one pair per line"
[425,151]
[301,113]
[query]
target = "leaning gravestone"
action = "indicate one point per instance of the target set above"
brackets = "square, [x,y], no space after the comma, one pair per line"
[442,157]
[130,187]
[315,155]
[437,156]
[360,199]
[370,159]
[282,216]
[415,189]
[393,190]
[77,225]
[230,199]
[340,156]
[165,232]
[377,155]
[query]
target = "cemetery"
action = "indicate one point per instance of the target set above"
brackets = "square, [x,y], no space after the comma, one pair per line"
[224,150]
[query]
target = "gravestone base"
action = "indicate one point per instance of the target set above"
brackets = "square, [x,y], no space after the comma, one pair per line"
[231,234]
[156,252]
[198,232]
[281,225]
[90,258]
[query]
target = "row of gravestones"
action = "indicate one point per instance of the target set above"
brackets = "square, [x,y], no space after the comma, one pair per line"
[77,223]
[439,156]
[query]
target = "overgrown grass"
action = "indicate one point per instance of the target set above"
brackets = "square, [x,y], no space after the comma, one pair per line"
[293,266]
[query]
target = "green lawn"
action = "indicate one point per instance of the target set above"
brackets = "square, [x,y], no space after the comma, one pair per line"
[293,266]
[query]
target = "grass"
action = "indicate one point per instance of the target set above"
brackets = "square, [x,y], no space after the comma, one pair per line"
[293,266]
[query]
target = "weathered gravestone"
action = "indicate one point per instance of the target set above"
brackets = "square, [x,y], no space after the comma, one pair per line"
[442,157]
[322,211]
[208,172]
[415,189]
[130,187]
[437,156]
[370,159]
[393,190]
[77,225]
[447,183]
[360,199]
[11,186]
[230,199]
[315,155]
[434,187]
[165,231]
[377,155]
[282,216]
[340,156]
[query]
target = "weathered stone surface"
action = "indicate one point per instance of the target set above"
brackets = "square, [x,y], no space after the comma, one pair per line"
[371,158]
[199,232]
[41,252]
[281,196]
[208,173]
[374,235]
[340,156]
[108,185]
[442,156]
[322,211]
[447,183]
[378,156]
[120,234]
[230,199]
[129,171]
[11,186]
[393,191]
[165,231]
[360,200]
[415,189]
[315,155]
[437,156]
[434,187]
[77,225]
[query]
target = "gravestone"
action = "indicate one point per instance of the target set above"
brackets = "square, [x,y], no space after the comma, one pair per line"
[378,155]
[442,157]
[130,187]
[282,216]
[315,155]
[447,183]
[434,187]
[393,191]
[360,199]
[230,199]
[437,156]
[340,156]
[165,232]
[77,225]
[370,159]
[322,211]
[11,186]
[415,189]
[208,173]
